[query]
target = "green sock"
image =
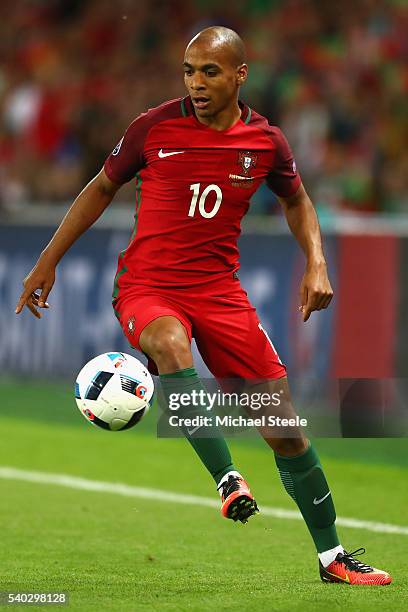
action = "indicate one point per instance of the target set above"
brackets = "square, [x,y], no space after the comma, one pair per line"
[304,480]
[213,451]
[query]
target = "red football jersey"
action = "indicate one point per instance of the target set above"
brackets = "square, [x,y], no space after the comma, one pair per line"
[193,187]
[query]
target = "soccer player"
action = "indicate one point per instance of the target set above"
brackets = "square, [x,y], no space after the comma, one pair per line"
[197,161]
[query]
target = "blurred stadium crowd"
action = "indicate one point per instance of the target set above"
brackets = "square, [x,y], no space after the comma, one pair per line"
[332,75]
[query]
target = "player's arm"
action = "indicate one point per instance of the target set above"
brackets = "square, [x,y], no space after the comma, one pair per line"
[86,209]
[315,290]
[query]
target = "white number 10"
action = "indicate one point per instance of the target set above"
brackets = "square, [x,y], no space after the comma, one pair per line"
[195,188]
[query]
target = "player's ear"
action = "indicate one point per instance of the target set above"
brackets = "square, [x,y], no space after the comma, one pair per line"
[242,74]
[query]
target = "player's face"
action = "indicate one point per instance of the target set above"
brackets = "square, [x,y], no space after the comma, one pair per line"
[212,79]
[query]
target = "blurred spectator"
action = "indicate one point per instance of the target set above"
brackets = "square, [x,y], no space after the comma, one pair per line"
[334,76]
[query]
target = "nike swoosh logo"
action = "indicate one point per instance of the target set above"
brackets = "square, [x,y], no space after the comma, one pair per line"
[346,579]
[319,501]
[161,154]
[191,431]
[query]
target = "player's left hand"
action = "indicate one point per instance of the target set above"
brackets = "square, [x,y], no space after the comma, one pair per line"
[315,289]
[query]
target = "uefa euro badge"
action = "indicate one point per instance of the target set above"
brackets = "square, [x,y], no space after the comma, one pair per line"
[247,160]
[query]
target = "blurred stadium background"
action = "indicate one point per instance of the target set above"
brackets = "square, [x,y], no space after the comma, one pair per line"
[332,75]
[73,74]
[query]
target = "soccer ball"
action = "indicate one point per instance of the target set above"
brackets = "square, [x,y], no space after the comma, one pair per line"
[114,391]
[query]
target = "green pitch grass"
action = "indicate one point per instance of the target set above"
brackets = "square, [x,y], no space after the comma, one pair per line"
[117,553]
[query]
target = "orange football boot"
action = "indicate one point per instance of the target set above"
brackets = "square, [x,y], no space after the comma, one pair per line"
[238,502]
[347,570]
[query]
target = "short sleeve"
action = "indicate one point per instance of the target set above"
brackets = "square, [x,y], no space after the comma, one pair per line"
[283,177]
[127,157]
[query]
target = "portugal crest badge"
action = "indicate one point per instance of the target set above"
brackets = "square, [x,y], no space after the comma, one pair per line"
[247,161]
[131,325]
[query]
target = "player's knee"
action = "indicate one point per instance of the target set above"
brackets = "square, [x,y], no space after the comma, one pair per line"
[168,343]
[170,348]
[290,447]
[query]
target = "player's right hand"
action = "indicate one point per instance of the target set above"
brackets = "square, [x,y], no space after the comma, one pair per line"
[37,285]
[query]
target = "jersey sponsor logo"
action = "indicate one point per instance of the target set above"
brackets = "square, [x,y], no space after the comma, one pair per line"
[117,148]
[161,154]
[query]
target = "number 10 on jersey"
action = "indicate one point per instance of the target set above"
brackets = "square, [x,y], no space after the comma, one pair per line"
[195,188]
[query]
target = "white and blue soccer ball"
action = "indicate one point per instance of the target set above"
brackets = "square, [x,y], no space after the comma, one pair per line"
[114,391]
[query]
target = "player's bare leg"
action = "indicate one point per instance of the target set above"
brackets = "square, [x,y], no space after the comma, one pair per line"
[285,441]
[303,478]
[166,341]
